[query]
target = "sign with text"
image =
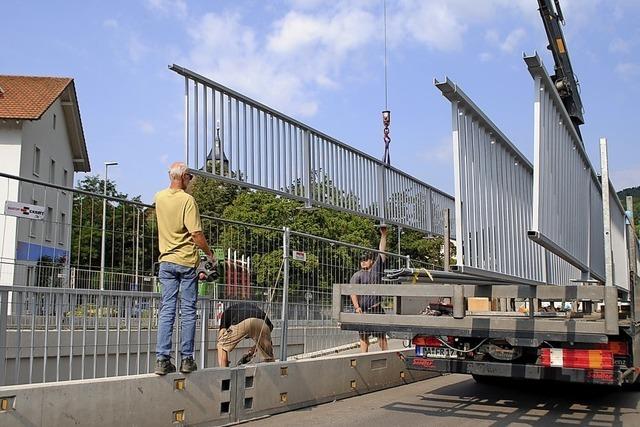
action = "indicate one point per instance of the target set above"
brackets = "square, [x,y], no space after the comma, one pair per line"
[24,210]
[299,256]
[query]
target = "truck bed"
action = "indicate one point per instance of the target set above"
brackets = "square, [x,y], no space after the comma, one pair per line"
[407,299]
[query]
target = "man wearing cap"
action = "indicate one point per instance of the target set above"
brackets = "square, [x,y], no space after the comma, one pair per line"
[371,269]
[179,237]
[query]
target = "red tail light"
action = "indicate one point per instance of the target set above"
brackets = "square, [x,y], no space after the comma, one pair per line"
[572,358]
[428,341]
[618,348]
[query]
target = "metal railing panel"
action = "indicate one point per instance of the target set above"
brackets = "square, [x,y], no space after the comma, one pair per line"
[233,138]
[615,239]
[493,183]
[565,220]
[56,323]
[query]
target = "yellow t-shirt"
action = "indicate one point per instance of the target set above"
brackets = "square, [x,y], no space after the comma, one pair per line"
[178,216]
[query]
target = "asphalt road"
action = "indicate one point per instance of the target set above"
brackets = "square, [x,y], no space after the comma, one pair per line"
[457,400]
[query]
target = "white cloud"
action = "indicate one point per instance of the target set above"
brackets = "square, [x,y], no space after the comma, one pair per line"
[340,32]
[177,8]
[312,45]
[434,24]
[628,70]
[510,43]
[146,127]
[227,51]
[110,23]
[276,67]
[619,45]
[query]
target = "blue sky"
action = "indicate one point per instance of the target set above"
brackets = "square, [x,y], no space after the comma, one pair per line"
[322,63]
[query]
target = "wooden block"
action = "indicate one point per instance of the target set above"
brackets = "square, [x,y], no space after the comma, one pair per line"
[478,304]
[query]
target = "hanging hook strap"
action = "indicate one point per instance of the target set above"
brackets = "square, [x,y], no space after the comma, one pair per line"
[386,121]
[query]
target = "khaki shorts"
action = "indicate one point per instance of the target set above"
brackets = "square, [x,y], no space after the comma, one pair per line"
[253,328]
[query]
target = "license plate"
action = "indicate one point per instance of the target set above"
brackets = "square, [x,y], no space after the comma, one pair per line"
[439,353]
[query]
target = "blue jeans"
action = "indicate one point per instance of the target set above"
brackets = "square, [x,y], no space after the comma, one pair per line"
[174,277]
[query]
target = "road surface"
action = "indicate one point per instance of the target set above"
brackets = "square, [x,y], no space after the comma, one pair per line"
[457,400]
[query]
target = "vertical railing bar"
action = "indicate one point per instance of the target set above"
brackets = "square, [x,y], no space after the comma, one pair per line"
[46,339]
[73,300]
[84,333]
[246,149]
[196,127]
[186,120]
[127,304]
[237,144]
[205,135]
[58,305]
[107,331]
[118,329]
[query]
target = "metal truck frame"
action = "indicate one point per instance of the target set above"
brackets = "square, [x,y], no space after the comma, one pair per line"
[508,343]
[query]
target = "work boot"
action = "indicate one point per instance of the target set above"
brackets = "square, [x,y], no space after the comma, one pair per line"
[188,365]
[164,367]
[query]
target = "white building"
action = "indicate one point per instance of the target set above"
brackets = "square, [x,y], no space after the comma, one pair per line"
[41,139]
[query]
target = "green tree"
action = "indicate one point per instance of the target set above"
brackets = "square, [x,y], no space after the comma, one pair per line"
[635,193]
[126,225]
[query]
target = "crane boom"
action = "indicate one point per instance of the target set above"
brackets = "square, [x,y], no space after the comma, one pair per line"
[564,79]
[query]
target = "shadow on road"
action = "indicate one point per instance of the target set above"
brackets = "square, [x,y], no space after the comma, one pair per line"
[507,402]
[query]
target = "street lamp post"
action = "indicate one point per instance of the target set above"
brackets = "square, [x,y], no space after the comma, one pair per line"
[104,221]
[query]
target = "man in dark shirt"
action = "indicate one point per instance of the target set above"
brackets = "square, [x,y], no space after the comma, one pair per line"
[240,321]
[371,269]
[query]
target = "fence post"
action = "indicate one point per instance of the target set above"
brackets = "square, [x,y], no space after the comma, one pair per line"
[4,306]
[285,293]
[447,239]
[458,302]
[204,331]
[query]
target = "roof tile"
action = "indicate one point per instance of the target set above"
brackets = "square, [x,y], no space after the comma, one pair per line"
[27,98]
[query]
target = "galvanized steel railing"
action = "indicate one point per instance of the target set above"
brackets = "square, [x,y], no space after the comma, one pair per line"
[616,256]
[493,201]
[233,138]
[49,280]
[567,213]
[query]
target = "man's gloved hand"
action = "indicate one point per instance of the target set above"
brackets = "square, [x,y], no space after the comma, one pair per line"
[247,357]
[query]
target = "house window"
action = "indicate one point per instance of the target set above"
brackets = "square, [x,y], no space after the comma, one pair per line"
[52,172]
[54,122]
[65,178]
[33,223]
[62,228]
[48,232]
[36,161]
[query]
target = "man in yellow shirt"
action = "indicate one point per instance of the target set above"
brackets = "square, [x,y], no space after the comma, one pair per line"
[179,237]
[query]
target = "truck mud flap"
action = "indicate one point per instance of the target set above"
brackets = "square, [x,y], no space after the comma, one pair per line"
[513,370]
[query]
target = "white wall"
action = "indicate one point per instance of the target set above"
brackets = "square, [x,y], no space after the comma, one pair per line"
[10,143]
[53,143]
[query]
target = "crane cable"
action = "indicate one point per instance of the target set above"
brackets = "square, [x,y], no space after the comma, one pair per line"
[386,114]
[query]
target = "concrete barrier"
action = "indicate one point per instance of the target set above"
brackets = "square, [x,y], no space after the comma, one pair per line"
[214,396]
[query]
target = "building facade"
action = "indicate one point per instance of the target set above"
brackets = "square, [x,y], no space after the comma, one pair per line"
[41,140]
